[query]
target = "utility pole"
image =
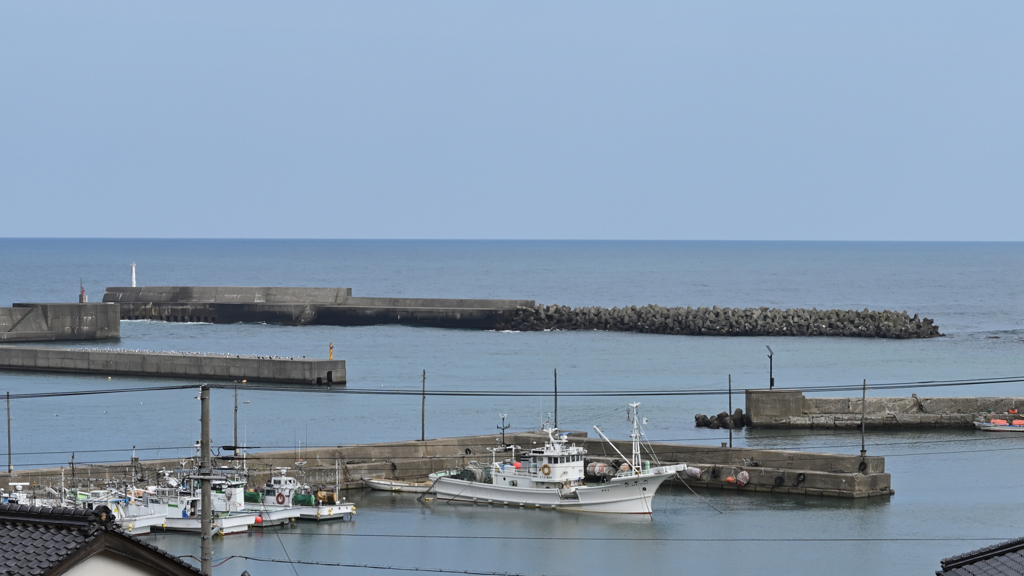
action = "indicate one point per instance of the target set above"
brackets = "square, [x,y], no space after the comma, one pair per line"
[73,481]
[206,514]
[10,467]
[556,397]
[730,410]
[423,409]
[863,411]
[235,451]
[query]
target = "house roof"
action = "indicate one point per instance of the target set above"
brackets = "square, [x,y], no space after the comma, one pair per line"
[36,541]
[1003,559]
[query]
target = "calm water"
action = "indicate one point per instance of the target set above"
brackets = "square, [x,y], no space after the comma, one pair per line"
[972,290]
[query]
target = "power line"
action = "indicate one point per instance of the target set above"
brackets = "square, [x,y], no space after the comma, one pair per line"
[367,566]
[519,393]
[616,539]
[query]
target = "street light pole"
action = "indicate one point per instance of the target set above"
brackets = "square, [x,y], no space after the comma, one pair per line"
[503,427]
[771,375]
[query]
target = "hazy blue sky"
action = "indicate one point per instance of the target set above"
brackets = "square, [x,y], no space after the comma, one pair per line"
[670,120]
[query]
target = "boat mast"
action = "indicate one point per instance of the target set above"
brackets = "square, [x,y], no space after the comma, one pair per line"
[636,437]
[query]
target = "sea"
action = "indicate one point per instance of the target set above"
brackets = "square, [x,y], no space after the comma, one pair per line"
[955,490]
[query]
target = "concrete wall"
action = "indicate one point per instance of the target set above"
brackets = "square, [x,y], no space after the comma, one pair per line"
[169,364]
[302,306]
[790,409]
[226,295]
[65,321]
[771,471]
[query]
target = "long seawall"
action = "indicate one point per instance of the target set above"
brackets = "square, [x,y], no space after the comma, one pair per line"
[715,321]
[174,365]
[337,307]
[782,408]
[68,321]
[304,306]
[771,471]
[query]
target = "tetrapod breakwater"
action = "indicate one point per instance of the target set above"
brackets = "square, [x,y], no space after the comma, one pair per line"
[715,321]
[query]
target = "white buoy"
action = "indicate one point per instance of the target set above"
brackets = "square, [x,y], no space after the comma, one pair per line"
[133,274]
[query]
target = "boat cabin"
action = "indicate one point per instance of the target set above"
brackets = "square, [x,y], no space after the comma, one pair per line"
[556,464]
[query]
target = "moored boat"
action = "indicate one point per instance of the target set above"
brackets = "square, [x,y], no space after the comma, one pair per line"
[552,477]
[403,486]
[396,485]
[287,492]
[1000,425]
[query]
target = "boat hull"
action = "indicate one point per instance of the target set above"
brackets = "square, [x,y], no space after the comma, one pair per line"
[273,515]
[620,495]
[231,524]
[999,428]
[396,485]
[140,525]
[325,513]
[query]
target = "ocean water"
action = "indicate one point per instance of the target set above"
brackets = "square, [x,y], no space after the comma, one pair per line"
[972,290]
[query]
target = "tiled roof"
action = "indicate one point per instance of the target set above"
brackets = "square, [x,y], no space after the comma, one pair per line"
[34,539]
[1003,559]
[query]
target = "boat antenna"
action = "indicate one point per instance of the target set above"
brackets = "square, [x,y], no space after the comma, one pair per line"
[610,443]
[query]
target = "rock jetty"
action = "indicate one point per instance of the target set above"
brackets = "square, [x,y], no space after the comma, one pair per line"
[735,421]
[715,321]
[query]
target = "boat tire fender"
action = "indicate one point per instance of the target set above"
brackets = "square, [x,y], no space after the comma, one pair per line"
[863,466]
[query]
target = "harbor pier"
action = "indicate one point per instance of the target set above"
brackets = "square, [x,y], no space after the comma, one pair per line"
[65,321]
[770,471]
[780,408]
[111,362]
[304,306]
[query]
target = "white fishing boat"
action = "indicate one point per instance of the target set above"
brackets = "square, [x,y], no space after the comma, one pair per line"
[403,486]
[396,485]
[182,515]
[1000,425]
[552,477]
[179,502]
[133,510]
[287,492]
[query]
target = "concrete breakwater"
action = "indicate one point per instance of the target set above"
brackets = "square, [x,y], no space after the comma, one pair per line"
[791,409]
[304,306]
[45,322]
[174,365]
[715,321]
[771,471]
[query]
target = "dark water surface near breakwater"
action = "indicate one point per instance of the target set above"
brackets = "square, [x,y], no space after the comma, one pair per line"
[960,489]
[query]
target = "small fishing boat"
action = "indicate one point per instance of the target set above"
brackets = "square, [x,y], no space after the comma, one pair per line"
[999,425]
[396,485]
[182,515]
[179,502]
[287,492]
[552,477]
[133,510]
[402,486]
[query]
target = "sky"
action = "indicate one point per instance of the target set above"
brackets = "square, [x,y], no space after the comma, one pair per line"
[526,120]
